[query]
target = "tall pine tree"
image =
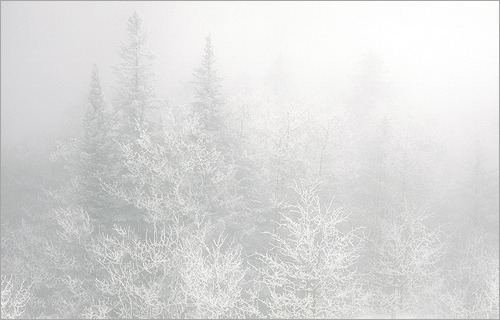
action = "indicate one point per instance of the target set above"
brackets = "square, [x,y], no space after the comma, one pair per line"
[134,104]
[212,131]
[135,92]
[208,104]
[89,157]
[94,165]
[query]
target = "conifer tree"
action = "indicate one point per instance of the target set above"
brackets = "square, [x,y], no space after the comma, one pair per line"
[89,156]
[207,108]
[134,104]
[135,92]
[94,165]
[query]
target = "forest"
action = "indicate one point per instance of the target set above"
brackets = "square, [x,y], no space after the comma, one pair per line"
[254,204]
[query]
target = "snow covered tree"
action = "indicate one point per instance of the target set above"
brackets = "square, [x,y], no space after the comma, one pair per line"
[480,197]
[407,273]
[215,132]
[90,157]
[208,105]
[135,106]
[140,273]
[176,178]
[73,268]
[475,282]
[278,145]
[96,163]
[208,91]
[83,208]
[135,98]
[24,260]
[213,278]
[311,273]
[15,297]
[49,252]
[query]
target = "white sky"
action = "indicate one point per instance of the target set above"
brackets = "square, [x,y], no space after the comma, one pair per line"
[440,58]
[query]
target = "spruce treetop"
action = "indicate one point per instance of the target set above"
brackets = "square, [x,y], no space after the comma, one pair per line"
[134,72]
[207,90]
[96,96]
[136,97]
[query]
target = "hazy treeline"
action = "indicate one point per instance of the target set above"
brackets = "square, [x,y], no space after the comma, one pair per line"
[253,205]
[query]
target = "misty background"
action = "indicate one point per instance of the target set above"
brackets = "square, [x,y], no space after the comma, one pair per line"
[440,60]
[385,111]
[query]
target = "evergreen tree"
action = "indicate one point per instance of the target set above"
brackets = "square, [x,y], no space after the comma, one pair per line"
[94,166]
[207,108]
[134,105]
[88,158]
[135,97]
[212,130]
[241,210]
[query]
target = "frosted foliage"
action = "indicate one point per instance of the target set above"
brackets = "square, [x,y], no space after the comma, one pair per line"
[15,297]
[476,291]
[138,280]
[407,268]
[75,224]
[89,157]
[213,278]
[285,170]
[311,270]
[207,91]
[136,82]
[174,177]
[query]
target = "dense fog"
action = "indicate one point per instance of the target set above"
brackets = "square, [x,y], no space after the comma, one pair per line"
[249,159]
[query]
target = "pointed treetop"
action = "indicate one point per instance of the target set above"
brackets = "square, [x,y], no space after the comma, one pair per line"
[95,72]
[135,19]
[209,52]
[96,96]
[207,69]
[206,79]
[137,31]
[134,71]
